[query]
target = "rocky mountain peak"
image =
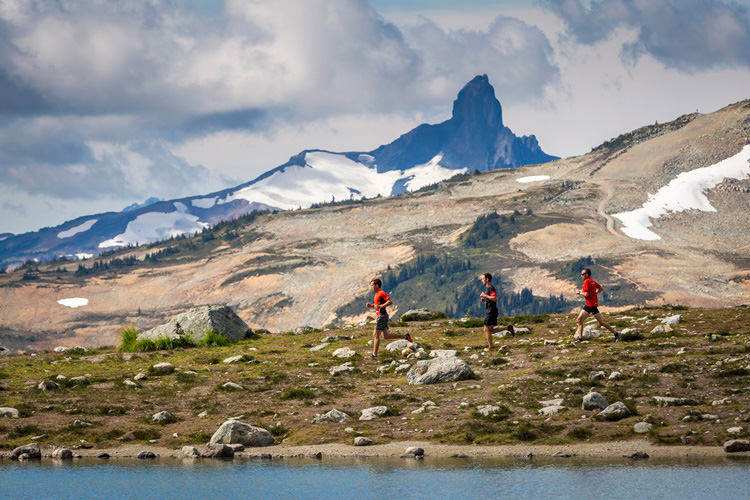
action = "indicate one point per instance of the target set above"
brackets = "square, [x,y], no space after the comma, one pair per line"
[477,105]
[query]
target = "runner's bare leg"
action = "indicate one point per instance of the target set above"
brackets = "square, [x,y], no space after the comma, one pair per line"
[606,325]
[579,320]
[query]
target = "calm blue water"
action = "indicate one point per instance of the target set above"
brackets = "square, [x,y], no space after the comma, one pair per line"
[372,478]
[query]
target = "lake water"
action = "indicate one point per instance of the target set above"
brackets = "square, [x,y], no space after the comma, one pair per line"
[378,478]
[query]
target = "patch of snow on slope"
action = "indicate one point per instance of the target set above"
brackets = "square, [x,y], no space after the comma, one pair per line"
[327,176]
[324,176]
[77,229]
[430,173]
[83,256]
[533,178]
[684,192]
[203,202]
[155,226]
[74,302]
[181,207]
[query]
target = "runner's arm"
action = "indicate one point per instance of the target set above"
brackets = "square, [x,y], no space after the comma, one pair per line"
[387,303]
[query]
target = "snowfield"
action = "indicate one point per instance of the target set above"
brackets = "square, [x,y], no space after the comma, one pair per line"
[84,256]
[533,178]
[684,192]
[156,226]
[74,302]
[203,202]
[77,229]
[331,176]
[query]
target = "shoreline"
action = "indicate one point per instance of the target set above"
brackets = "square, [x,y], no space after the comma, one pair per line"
[617,449]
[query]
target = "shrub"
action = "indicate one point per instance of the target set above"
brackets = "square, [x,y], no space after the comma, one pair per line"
[215,339]
[128,338]
[579,433]
[675,368]
[300,393]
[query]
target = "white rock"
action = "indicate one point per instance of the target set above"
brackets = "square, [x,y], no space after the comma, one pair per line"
[439,353]
[398,345]
[130,384]
[139,376]
[162,368]
[616,376]
[362,441]
[332,416]
[347,367]
[594,401]
[552,410]
[189,452]
[572,381]
[7,412]
[162,417]
[735,430]
[232,385]
[642,428]
[551,402]
[487,410]
[234,431]
[672,320]
[344,352]
[233,359]
[319,347]
[373,413]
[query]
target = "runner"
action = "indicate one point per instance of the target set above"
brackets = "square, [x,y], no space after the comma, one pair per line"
[590,291]
[489,297]
[380,304]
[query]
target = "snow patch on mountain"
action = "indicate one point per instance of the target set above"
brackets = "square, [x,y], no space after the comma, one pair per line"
[156,226]
[77,229]
[533,178]
[203,202]
[74,302]
[684,192]
[84,255]
[331,176]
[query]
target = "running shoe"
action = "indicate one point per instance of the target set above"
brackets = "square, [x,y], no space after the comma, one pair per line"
[512,331]
[617,336]
[408,337]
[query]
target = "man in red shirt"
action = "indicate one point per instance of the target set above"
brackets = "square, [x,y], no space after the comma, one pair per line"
[590,292]
[381,302]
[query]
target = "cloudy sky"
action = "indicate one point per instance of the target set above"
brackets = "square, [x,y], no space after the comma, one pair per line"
[104,103]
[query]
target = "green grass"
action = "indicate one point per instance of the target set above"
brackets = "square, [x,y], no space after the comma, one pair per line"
[129,341]
[298,393]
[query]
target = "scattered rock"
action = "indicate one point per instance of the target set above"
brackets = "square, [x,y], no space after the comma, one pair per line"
[362,441]
[550,342]
[552,410]
[234,431]
[439,353]
[9,412]
[81,423]
[572,381]
[440,369]
[48,385]
[163,417]
[594,401]
[344,352]
[459,455]
[672,320]
[630,334]
[130,384]
[218,450]
[642,428]
[616,376]
[725,401]
[615,411]
[189,452]
[385,368]
[103,455]
[144,455]
[195,323]
[414,451]
[304,329]
[139,376]
[421,315]
[163,368]
[232,386]
[735,430]
[658,329]
[332,416]
[597,376]
[347,367]
[233,359]
[402,368]
[560,454]
[487,410]
[398,345]
[318,347]
[237,447]
[669,401]
[736,445]
[551,402]
[61,348]
[318,455]
[203,414]
[638,455]
[373,413]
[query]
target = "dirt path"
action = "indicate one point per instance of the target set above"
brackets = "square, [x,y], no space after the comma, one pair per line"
[608,194]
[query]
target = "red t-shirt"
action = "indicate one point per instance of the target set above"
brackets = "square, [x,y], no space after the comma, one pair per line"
[589,289]
[381,298]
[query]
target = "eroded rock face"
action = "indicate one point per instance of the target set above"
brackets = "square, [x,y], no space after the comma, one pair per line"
[234,431]
[440,369]
[198,321]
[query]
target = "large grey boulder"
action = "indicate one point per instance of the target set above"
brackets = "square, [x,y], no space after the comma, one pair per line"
[672,320]
[362,441]
[162,368]
[163,417]
[398,345]
[594,401]
[27,451]
[234,431]
[196,322]
[421,315]
[344,352]
[642,427]
[48,385]
[190,452]
[216,450]
[62,454]
[440,369]
[9,412]
[736,445]
[615,411]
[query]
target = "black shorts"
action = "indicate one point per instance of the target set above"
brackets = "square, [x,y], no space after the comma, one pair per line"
[591,309]
[382,322]
[490,319]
